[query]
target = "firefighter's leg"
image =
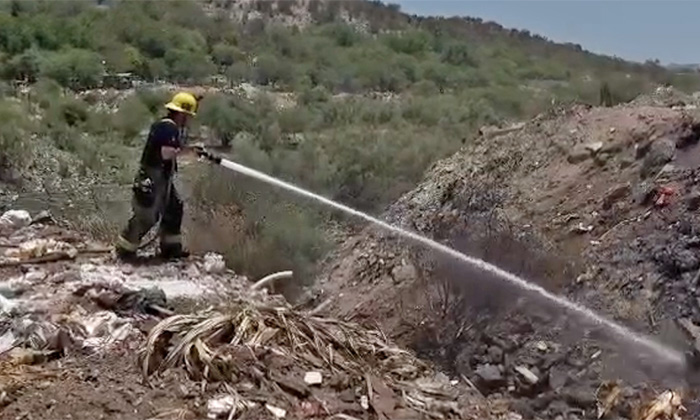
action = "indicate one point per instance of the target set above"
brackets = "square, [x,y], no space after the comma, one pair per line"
[146,207]
[171,225]
[142,220]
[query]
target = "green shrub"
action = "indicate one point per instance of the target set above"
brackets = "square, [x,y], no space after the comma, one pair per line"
[153,99]
[15,152]
[74,68]
[132,117]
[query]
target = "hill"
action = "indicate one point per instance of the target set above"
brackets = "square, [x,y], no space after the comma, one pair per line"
[596,204]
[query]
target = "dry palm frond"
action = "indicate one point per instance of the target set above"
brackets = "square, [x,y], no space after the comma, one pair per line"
[202,341]
[232,345]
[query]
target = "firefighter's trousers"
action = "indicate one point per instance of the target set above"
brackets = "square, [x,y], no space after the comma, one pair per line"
[154,197]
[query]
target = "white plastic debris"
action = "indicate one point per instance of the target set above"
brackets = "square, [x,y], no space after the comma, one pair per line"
[220,406]
[313,378]
[214,263]
[364,402]
[99,323]
[7,340]
[276,411]
[541,346]
[6,305]
[527,374]
[15,219]
[36,248]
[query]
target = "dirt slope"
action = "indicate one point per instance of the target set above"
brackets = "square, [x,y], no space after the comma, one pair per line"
[594,203]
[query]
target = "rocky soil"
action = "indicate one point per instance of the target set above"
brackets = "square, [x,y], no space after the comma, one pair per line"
[597,204]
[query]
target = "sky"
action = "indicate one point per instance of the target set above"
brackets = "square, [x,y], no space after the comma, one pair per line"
[668,30]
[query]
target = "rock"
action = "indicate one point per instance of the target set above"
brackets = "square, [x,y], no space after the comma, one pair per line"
[578,154]
[490,376]
[594,147]
[692,201]
[495,354]
[313,378]
[403,273]
[660,153]
[644,193]
[558,378]
[44,217]
[626,161]
[214,263]
[15,219]
[527,374]
[276,411]
[581,397]
[615,194]
[558,407]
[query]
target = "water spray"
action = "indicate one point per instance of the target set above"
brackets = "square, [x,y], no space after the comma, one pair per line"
[670,355]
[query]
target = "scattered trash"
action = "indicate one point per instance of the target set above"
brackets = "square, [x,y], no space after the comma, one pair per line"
[214,263]
[527,374]
[364,402]
[663,197]
[581,228]
[220,406]
[541,345]
[7,341]
[313,378]
[37,250]
[15,219]
[6,305]
[276,411]
[122,300]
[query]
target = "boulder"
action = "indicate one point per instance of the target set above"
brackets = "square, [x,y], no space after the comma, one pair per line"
[15,219]
[490,376]
[660,153]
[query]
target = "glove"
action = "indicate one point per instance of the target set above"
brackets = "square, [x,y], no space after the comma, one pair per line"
[203,153]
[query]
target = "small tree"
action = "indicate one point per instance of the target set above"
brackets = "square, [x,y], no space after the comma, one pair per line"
[606,98]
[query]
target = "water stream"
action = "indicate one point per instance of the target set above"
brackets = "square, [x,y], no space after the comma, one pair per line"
[668,354]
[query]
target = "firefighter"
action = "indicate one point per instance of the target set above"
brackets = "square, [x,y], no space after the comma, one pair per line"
[154,195]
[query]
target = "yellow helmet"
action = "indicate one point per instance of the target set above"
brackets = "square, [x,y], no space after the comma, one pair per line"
[183,102]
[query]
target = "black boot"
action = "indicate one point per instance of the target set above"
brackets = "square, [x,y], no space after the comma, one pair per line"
[173,252]
[125,255]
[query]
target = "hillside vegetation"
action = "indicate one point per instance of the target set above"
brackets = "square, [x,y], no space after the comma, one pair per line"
[374,96]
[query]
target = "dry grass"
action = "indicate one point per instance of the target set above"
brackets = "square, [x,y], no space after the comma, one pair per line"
[207,345]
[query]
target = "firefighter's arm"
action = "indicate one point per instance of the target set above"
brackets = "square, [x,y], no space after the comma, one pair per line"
[169,140]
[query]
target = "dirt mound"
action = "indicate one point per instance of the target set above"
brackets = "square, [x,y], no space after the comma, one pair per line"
[593,203]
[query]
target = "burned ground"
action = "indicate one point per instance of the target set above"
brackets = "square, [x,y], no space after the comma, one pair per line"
[597,204]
